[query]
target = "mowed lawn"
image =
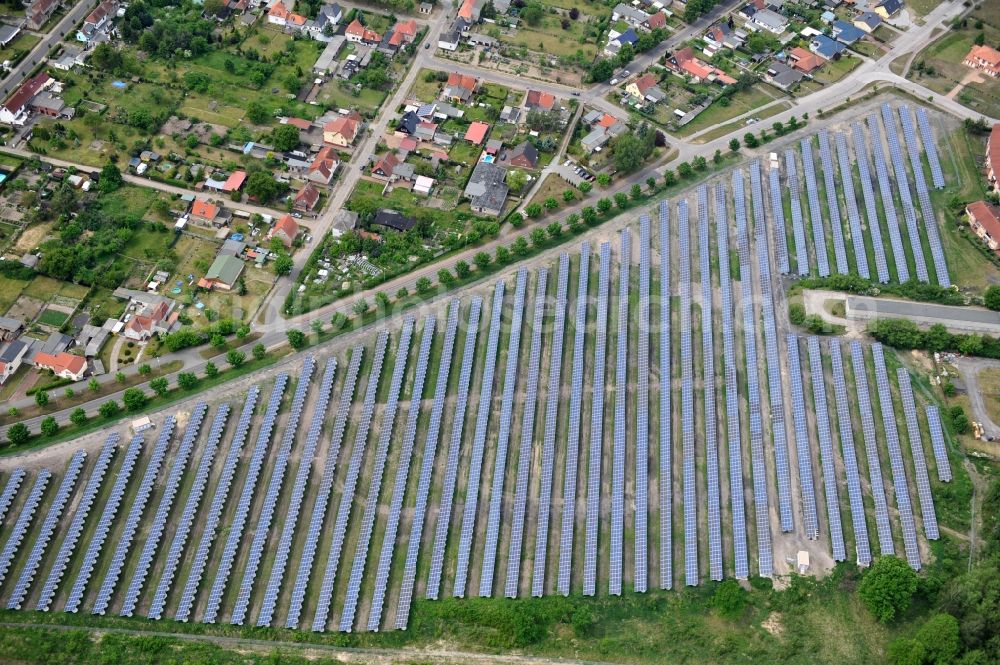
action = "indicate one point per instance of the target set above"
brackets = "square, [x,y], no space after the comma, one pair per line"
[945,58]
[739,103]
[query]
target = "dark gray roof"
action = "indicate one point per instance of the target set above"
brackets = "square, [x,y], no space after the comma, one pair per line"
[394,220]
[12,351]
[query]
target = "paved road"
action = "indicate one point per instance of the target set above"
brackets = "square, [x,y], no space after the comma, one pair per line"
[41,50]
[970,368]
[966,319]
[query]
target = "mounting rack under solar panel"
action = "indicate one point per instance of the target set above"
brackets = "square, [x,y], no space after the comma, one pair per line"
[937,443]
[851,202]
[552,399]
[798,224]
[737,507]
[868,194]
[10,491]
[23,522]
[826,449]
[778,222]
[888,206]
[815,215]
[903,187]
[454,447]
[596,426]
[666,422]
[641,566]
[832,204]
[427,469]
[618,434]
[930,148]
[687,401]
[927,511]
[503,438]
[804,452]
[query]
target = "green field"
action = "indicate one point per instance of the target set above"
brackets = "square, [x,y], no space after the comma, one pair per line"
[739,103]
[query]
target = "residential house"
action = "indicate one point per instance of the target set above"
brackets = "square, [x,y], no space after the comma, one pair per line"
[204,213]
[804,61]
[685,63]
[306,199]
[992,165]
[327,60]
[17,108]
[10,328]
[770,20]
[10,359]
[618,39]
[657,21]
[62,364]
[782,76]
[846,33]
[285,230]
[279,12]
[423,185]
[459,87]
[468,11]
[359,34]
[479,39]
[409,121]
[151,320]
[325,22]
[385,166]
[391,219]
[524,155]
[984,219]
[634,17]
[984,58]
[342,130]
[449,40]
[828,17]
[96,20]
[887,8]
[486,189]
[8,33]
[425,131]
[407,30]
[825,47]
[39,12]
[235,181]
[510,114]
[536,100]
[323,166]
[717,35]
[223,274]
[403,171]
[645,89]
[476,132]
[867,21]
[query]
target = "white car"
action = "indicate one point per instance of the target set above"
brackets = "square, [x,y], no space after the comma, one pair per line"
[614,81]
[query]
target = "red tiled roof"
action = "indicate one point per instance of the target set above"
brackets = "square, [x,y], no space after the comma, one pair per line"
[287,226]
[645,82]
[987,54]
[657,20]
[100,13]
[278,10]
[396,39]
[234,181]
[607,120]
[408,28]
[26,92]
[386,164]
[804,60]
[462,81]
[356,29]
[60,361]
[301,123]
[993,148]
[540,99]
[409,144]
[345,125]
[307,197]
[204,209]
[477,132]
[988,216]
[465,11]
[297,19]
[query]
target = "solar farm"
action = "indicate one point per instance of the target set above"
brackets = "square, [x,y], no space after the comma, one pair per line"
[635,414]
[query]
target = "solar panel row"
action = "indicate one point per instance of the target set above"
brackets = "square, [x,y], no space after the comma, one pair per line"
[778,222]
[888,206]
[833,205]
[930,148]
[10,491]
[868,193]
[640,578]
[851,202]
[815,214]
[798,225]
[903,187]
[618,443]
[688,479]
[803,449]
[937,443]
[666,422]
[23,522]
[927,511]
[826,448]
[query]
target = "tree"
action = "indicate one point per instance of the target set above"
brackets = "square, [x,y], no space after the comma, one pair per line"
[120,377]
[750,141]
[888,587]
[262,186]
[937,338]
[109,409]
[503,255]
[381,301]
[445,277]
[78,416]
[630,151]
[285,137]
[145,369]
[651,183]
[717,157]
[516,180]
[134,399]
[604,205]
[18,434]
[211,370]
[532,13]
[941,639]
[538,237]
[338,321]
[603,179]
[462,269]
[585,187]
[992,297]
[482,260]
[636,191]
[257,113]
[187,380]
[361,306]
[283,264]
[259,350]
[296,339]
[734,145]
[533,210]
[621,200]
[684,170]
[569,195]
[699,163]
[160,386]
[602,70]
[49,426]
[554,230]
[520,247]
[41,398]
[589,215]
[730,598]
[551,203]
[111,179]
[94,385]
[236,357]
[423,285]
[669,178]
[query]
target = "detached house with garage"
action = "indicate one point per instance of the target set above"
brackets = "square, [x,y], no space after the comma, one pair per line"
[984,220]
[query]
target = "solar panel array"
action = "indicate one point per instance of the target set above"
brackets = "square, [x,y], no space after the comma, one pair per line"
[708,381]
[924,197]
[888,206]
[527,437]
[868,193]
[771,347]
[103,527]
[10,491]
[454,448]
[134,516]
[75,529]
[503,437]
[266,513]
[937,443]
[573,427]
[294,505]
[242,509]
[219,498]
[844,426]
[159,524]
[375,485]
[315,529]
[737,507]
[815,214]
[903,187]
[798,225]
[427,464]
[596,426]
[640,574]
[804,453]
[826,158]
[23,522]
[826,449]
[765,559]
[778,222]
[402,472]
[930,148]
[187,518]
[899,482]
[479,444]
[871,449]
[48,527]
[618,444]
[553,396]
[666,422]
[350,486]
[688,479]
[927,511]
[853,215]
